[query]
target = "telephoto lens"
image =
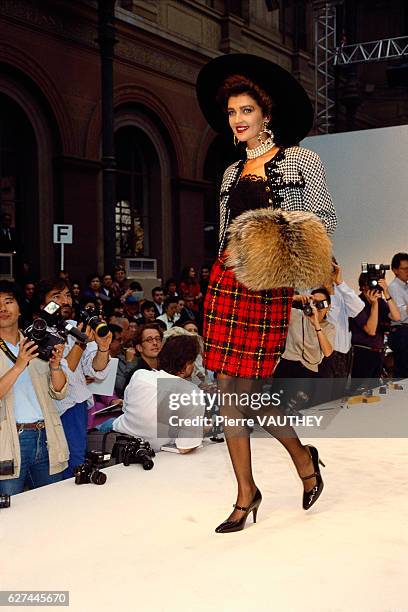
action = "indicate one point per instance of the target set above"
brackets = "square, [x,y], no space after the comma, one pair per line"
[5,501]
[89,316]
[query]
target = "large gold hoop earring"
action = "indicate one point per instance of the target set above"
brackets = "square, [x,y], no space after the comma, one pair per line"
[266,134]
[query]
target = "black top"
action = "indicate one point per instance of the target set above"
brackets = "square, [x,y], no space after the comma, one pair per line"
[359,336]
[251,192]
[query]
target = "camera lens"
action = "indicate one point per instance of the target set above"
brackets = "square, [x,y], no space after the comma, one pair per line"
[39,329]
[148,464]
[101,329]
[307,309]
[4,501]
[98,478]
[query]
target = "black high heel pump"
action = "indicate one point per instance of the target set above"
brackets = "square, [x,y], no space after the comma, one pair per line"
[311,497]
[229,526]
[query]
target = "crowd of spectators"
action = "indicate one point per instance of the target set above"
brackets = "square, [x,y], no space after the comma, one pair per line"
[334,332]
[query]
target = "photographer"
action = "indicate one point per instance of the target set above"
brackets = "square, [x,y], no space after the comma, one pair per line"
[81,363]
[367,333]
[345,304]
[310,338]
[33,448]
[398,339]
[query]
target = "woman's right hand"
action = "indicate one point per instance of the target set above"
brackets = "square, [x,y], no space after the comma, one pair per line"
[373,296]
[28,350]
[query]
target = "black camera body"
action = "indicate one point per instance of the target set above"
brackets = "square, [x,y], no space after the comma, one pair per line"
[90,316]
[307,309]
[45,338]
[51,329]
[89,471]
[375,272]
[5,501]
[133,450]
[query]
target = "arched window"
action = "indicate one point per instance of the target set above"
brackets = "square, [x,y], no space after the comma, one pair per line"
[19,182]
[135,158]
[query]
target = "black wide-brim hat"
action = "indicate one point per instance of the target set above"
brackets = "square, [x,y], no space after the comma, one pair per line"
[292,114]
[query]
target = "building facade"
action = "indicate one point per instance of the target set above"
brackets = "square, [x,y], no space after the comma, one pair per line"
[168,160]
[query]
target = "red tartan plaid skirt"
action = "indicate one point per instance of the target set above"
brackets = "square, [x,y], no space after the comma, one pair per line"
[244,331]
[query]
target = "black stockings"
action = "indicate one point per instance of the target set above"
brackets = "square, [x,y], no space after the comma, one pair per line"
[233,391]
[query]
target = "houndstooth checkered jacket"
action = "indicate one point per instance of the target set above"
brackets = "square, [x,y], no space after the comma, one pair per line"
[297,181]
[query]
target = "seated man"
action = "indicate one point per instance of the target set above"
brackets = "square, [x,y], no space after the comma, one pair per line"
[147,312]
[170,315]
[187,312]
[146,402]
[149,340]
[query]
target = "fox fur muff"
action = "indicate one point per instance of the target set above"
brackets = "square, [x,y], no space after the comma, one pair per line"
[268,249]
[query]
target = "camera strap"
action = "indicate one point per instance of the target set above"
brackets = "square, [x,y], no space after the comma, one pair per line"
[6,351]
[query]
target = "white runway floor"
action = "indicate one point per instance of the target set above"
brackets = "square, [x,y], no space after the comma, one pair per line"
[145,540]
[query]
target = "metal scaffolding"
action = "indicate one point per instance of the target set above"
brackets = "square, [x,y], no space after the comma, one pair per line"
[325,52]
[374,51]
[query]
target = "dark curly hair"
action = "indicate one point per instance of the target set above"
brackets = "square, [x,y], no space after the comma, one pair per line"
[238,84]
[177,353]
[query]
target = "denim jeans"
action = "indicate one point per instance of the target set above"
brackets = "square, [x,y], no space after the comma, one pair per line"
[75,424]
[35,467]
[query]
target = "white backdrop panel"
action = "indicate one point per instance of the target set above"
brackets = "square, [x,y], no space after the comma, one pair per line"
[367,176]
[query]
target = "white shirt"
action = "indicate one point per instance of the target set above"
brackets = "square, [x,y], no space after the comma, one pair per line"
[169,322]
[399,293]
[345,303]
[77,386]
[146,410]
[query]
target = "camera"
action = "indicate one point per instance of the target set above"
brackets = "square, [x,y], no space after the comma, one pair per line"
[5,501]
[51,329]
[89,471]
[90,316]
[375,272]
[307,308]
[133,450]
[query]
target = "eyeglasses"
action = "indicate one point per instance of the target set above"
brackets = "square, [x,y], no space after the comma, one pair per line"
[152,339]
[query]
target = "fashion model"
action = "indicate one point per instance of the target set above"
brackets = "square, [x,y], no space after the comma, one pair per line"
[267,111]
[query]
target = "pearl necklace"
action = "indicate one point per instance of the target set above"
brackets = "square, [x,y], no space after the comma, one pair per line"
[263,148]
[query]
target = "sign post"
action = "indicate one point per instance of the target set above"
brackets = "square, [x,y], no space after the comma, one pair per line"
[62,235]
